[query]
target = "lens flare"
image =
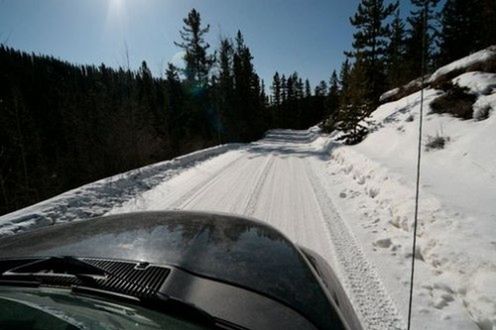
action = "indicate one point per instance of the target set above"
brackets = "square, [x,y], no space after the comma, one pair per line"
[115,5]
[116,16]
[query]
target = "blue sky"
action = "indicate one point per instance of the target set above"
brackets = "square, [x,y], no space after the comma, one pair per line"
[308,36]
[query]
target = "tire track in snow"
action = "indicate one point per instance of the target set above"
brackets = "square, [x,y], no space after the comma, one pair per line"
[366,291]
[282,186]
[185,199]
[255,194]
[234,191]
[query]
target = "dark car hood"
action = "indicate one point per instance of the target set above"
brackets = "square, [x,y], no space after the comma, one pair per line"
[234,250]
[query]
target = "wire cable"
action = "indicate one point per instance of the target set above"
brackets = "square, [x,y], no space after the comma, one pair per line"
[419,158]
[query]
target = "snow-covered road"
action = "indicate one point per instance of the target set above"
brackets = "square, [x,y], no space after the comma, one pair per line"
[281,180]
[351,204]
[333,199]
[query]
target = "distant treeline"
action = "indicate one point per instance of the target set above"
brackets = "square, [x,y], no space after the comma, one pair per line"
[64,125]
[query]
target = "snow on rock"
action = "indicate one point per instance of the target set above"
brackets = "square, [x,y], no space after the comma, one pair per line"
[99,197]
[466,62]
[387,95]
[411,87]
[479,83]
[484,107]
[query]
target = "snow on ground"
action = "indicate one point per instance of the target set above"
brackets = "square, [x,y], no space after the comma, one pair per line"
[351,204]
[456,279]
[281,180]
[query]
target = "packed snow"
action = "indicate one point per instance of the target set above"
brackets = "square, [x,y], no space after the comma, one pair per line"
[353,205]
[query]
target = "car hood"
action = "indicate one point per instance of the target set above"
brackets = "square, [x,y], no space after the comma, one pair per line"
[231,249]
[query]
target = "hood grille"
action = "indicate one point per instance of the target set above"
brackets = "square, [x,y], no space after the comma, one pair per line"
[129,279]
[139,280]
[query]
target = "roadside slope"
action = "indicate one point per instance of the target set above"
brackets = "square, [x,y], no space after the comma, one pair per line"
[375,181]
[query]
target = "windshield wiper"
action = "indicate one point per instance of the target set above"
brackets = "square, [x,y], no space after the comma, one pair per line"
[85,278]
[57,265]
[54,270]
[129,278]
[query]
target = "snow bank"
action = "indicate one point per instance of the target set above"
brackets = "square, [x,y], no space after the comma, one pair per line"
[375,181]
[464,63]
[379,205]
[99,197]
[292,136]
[484,107]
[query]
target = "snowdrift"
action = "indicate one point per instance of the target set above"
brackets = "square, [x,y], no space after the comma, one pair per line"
[99,197]
[456,279]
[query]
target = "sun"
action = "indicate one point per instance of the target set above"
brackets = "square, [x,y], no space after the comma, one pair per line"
[116,5]
[116,15]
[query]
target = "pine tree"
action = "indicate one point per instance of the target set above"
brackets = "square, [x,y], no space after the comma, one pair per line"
[247,92]
[344,80]
[461,26]
[352,116]
[264,99]
[225,89]
[321,89]
[290,88]
[300,92]
[487,18]
[276,90]
[308,89]
[118,119]
[198,62]
[369,41]
[175,109]
[332,103]
[333,97]
[225,64]
[284,89]
[423,27]
[395,53]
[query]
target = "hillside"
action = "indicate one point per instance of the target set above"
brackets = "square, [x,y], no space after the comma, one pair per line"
[456,278]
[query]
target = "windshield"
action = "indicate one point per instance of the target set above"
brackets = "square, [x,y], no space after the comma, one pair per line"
[44,309]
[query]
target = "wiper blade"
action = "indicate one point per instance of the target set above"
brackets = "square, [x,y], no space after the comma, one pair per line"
[122,277]
[57,265]
[106,280]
